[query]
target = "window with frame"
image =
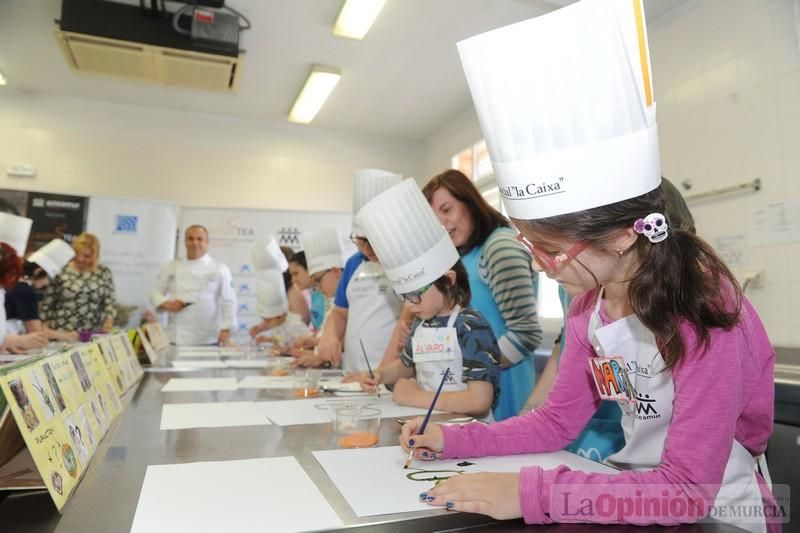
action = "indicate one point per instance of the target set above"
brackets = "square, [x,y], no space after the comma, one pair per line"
[475,163]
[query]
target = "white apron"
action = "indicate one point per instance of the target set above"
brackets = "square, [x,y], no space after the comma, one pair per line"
[372,314]
[645,422]
[434,351]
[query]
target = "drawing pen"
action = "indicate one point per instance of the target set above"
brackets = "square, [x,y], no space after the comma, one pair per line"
[427,417]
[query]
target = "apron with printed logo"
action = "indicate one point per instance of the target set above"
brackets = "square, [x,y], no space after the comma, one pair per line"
[435,350]
[371,316]
[646,419]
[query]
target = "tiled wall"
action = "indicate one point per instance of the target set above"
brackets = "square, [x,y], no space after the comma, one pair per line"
[727,79]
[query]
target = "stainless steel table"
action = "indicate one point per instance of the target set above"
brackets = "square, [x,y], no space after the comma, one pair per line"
[105,501]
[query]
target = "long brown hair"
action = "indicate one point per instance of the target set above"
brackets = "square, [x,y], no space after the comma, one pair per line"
[680,278]
[485,218]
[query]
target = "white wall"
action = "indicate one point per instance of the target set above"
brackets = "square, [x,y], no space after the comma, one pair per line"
[89,147]
[727,80]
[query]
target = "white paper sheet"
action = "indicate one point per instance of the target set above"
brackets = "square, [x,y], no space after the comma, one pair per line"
[199,384]
[253,495]
[315,410]
[198,354]
[198,364]
[281,382]
[373,480]
[211,415]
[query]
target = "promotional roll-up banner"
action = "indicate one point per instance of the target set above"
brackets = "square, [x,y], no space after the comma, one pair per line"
[136,238]
[55,216]
[232,232]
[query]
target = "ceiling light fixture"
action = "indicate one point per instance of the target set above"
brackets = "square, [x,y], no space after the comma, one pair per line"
[312,96]
[3,79]
[356,18]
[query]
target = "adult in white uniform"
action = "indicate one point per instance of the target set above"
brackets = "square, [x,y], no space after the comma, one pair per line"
[366,307]
[198,294]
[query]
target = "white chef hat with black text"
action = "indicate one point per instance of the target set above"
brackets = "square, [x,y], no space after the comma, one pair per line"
[565,102]
[14,231]
[266,253]
[53,256]
[367,184]
[271,300]
[323,250]
[412,246]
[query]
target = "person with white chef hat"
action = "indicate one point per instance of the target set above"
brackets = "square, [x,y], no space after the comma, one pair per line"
[366,307]
[14,233]
[658,324]
[22,301]
[279,326]
[198,294]
[448,339]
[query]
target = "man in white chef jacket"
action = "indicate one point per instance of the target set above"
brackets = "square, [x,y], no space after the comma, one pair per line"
[197,293]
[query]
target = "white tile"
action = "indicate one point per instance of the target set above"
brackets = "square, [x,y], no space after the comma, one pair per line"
[690,64]
[782,14]
[759,103]
[791,178]
[786,53]
[717,13]
[789,93]
[761,143]
[755,27]
[689,94]
[720,81]
[756,66]
[790,134]
[720,45]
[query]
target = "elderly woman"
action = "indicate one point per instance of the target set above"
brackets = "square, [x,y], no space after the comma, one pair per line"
[81,297]
[501,279]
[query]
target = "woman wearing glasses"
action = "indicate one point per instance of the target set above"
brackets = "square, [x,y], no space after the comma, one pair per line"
[502,283]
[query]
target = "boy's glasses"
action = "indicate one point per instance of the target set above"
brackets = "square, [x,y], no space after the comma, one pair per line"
[550,262]
[415,297]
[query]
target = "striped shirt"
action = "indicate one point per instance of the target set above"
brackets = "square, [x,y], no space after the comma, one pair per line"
[505,267]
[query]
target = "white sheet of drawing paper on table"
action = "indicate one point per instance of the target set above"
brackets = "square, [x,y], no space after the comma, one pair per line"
[280,382]
[315,410]
[246,363]
[199,354]
[198,364]
[211,415]
[199,384]
[253,495]
[373,480]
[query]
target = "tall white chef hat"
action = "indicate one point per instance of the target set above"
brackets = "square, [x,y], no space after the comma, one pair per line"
[565,102]
[14,231]
[410,242]
[271,300]
[266,253]
[53,256]
[368,184]
[323,250]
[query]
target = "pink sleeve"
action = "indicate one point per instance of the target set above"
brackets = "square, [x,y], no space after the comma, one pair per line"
[698,445]
[569,406]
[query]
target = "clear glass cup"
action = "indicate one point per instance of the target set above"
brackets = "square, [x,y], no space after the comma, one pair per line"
[306,383]
[357,427]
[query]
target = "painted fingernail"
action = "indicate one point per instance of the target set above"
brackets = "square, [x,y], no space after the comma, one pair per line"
[430,498]
[411,442]
[423,496]
[449,505]
[425,454]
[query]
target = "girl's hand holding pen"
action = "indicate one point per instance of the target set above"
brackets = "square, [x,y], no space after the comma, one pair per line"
[427,446]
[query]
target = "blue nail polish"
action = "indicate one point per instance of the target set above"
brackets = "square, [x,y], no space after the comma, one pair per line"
[423,496]
[425,454]
[411,442]
[430,498]
[449,505]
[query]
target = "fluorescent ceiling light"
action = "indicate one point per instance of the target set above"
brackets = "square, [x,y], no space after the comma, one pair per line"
[3,79]
[316,90]
[356,18]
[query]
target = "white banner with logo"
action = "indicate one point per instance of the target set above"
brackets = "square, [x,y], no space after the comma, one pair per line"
[233,231]
[136,238]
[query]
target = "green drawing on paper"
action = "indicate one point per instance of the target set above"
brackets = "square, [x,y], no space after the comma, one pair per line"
[436,476]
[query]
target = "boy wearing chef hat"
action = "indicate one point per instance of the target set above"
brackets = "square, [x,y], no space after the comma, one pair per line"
[422,263]
[278,325]
[658,324]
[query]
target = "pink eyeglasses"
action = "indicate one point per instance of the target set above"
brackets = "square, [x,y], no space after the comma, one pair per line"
[549,262]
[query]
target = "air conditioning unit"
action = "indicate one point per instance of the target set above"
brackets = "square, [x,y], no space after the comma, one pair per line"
[107,38]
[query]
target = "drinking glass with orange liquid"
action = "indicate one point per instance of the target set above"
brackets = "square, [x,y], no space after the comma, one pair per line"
[306,383]
[357,427]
